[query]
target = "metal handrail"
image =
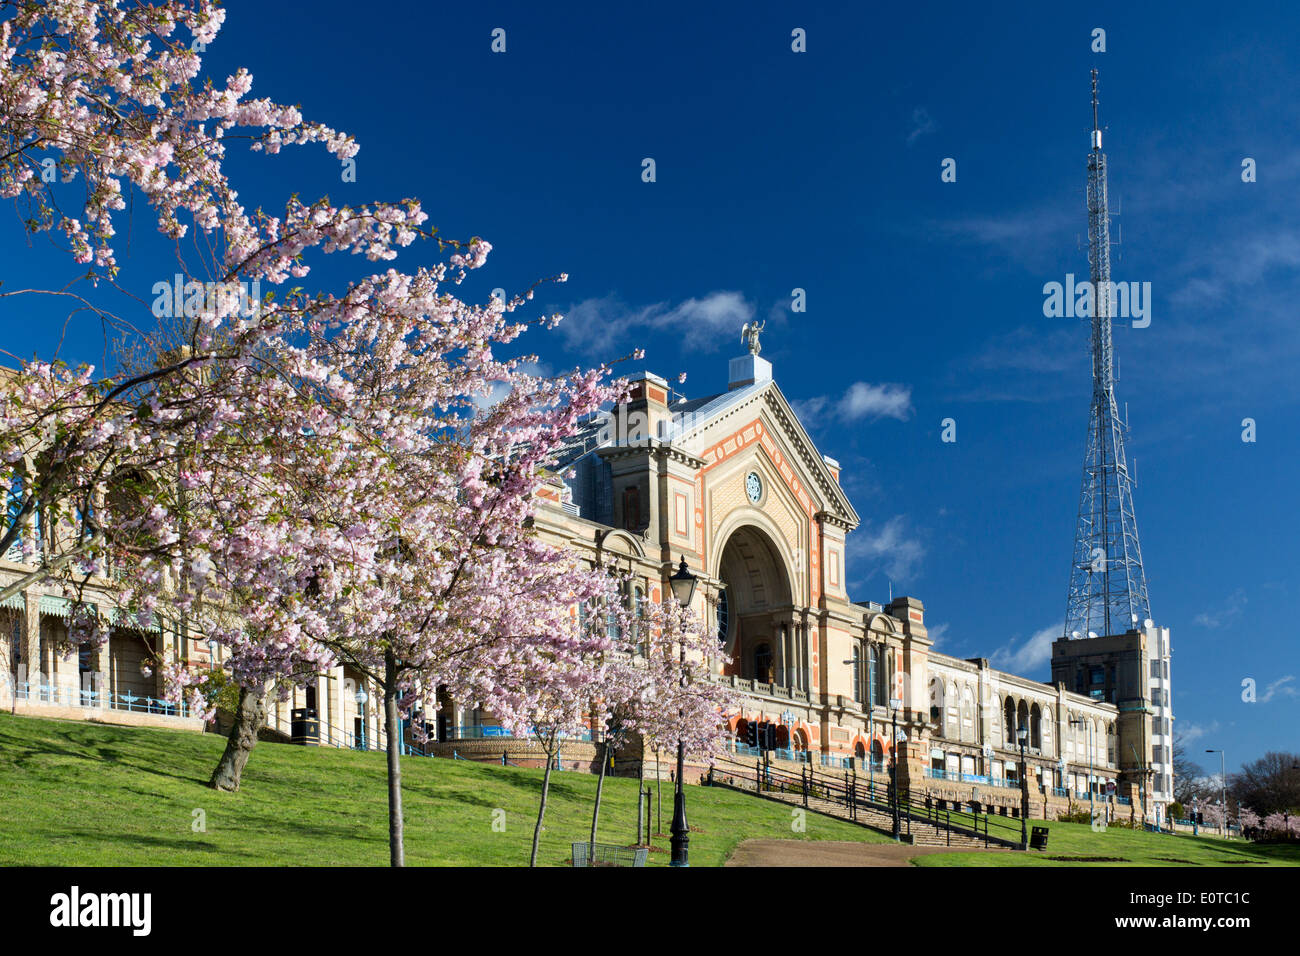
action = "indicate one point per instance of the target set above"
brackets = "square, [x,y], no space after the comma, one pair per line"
[81,697]
[855,793]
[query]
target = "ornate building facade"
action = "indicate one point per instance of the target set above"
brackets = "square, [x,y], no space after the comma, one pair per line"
[733,483]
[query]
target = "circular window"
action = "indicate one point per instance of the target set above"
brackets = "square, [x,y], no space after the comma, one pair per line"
[754,486]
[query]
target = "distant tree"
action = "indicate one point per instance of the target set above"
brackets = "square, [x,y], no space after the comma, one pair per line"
[1190,782]
[1270,784]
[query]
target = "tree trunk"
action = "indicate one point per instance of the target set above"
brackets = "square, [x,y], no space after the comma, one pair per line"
[640,799]
[250,715]
[396,849]
[659,796]
[600,785]
[541,809]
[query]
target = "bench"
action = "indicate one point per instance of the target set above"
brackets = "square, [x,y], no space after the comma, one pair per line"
[606,854]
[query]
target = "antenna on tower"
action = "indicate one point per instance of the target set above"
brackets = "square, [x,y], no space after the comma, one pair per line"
[1106,574]
[1096,127]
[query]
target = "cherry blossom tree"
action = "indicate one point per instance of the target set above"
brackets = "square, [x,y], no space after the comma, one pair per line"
[671,695]
[312,483]
[309,478]
[104,95]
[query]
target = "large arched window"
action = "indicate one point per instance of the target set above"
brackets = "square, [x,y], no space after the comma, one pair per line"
[937,704]
[967,714]
[873,674]
[763,663]
[724,620]
[1009,723]
[1036,727]
[857,674]
[613,630]
[640,633]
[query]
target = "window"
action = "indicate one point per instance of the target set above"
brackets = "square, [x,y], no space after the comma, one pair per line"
[723,617]
[873,674]
[640,635]
[632,509]
[612,629]
[763,663]
[857,674]
[1097,675]
[12,510]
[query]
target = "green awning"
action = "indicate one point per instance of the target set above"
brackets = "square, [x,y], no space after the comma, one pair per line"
[62,607]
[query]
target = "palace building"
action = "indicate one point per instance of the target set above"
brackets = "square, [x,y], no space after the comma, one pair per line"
[733,483]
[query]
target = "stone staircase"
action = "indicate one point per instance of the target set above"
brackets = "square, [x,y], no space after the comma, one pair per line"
[923,832]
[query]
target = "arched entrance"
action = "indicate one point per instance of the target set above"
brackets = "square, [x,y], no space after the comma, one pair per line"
[756,622]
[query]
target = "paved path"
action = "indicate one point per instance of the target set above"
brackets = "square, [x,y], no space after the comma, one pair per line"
[830,853]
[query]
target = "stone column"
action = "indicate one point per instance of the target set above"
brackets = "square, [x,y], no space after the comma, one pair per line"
[96,679]
[31,641]
[334,705]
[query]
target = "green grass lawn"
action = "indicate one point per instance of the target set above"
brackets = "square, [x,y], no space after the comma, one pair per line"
[91,794]
[1075,844]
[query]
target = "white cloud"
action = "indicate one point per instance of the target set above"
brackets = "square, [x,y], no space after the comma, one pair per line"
[922,124]
[864,400]
[1241,261]
[937,632]
[1027,656]
[1223,613]
[1279,686]
[1023,233]
[605,325]
[860,400]
[1189,733]
[891,548]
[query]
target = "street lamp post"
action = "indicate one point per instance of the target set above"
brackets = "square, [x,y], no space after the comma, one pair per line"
[1223,785]
[683,584]
[894,705]
[1023,736]
[871,756]
[362,697]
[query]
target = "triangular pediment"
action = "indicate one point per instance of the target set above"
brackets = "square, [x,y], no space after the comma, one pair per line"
[719,426]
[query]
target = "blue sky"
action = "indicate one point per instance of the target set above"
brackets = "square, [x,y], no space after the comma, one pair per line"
[821,171]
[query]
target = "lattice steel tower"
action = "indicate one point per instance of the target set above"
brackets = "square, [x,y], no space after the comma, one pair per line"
[1108,588]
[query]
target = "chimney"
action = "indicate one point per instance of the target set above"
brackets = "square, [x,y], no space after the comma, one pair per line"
[834,467]
[908,610]
[646,410]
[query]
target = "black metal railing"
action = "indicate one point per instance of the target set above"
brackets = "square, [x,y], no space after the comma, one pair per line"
[868,798]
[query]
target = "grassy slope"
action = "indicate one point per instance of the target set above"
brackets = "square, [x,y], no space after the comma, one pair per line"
[90,794]
[1124,848]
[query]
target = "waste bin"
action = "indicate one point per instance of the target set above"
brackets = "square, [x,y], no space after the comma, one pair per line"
[1038,838]
[304,728]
